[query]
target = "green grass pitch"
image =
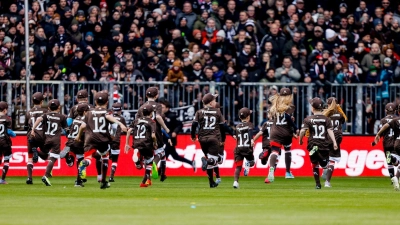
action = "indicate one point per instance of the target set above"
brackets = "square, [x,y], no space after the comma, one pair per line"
[189,200]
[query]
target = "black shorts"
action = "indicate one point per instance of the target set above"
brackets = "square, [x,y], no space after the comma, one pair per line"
[52,148]
[241,154]
[115,146]
[396,147]
[146,153]
[221,150]
[324,154]
[75,147]
[5,150]
[332,151]
[36,142]
[101,147]
[210,146]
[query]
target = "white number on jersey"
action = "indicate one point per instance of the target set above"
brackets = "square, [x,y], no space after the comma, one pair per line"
[243,140]
[75,131]
[269,132]
[99,125]
[319,132]
[39,127]
[2,130]
[335,124]
[210,122]
[141,130]
[281,121]
[51,128]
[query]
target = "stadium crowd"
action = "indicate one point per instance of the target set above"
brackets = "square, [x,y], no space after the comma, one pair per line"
[231,41]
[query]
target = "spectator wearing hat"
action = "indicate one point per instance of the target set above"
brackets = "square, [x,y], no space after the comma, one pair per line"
[337,54]
[287,73]
[378,35]
[175,74]
[197,37]
[374,53]
[185,31]
[150,29]
[384,79]
[221,46]
[188,13]
[150,72]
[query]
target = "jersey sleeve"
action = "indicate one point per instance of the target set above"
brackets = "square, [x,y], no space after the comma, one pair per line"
[9,123]
[63,121]
[158,109]
[221,117]
[392,124]
[328,124]
[305,124]
[196,117]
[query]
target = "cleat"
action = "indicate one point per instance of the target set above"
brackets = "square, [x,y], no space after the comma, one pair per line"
[82,170]
[84,180]
[289,175]
[395,182]
[46,181]
[104,185]
[388,157]
[213,185]
[138,165]
[328,184]
[271,177]
[29,181]
[163,177]
[324,172]
[143,185]
[51,174]
[235,184]
[313,150]
[194,166]
[148,182]
[35,156]
[203,163]
[70,160]
[264,161]
[246,170]
[267,181]
[218,180]
[79,184]
[64,152]
[3,181]
[135,156]
[155,172]
[318,186]
[111,179]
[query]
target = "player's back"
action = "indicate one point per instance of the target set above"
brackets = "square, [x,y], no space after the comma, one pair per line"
[143,128]
[31,117]
[118,132]
[97,126]
[243,139]
[73,112]
[74,128]
[5,123]
[157,110]
[53,123]
[318,126]
[266,133]
[209,120]
[389,136]
[281,129]
[337,121]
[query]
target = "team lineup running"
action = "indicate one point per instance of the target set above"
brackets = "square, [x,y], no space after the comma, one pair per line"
[94,132]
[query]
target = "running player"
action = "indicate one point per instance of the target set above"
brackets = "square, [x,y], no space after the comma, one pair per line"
[244,145]
[392,154]
[283,129]
[159,154]
[144,129]
[97,136]
[115,143]
[211,124]
[388,135]
[266,146]
[320,130]
[337,116]
[5,140]
[76,147]
[37,141]
[53,123]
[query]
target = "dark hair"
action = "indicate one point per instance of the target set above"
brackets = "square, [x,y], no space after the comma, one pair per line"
[166,103]
[53,107]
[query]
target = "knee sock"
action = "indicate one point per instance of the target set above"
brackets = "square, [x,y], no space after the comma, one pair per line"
[288,160]
[330,169]
[391,170]
[5,169]
[316,174]
[147,172]
[216,171]
[238,169]
[49,167]
[29,168]
[104,168]
[210,175]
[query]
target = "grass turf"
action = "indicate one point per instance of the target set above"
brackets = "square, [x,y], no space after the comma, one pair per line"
[189,200]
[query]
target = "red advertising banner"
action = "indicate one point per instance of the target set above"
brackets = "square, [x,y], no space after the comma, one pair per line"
[359,158]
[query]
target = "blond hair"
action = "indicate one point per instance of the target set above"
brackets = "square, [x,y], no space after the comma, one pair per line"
[280,104]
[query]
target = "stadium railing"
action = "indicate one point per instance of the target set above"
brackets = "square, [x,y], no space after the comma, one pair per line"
[362,103]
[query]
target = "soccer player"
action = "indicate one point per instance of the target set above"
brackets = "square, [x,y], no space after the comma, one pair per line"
[53,123]
[144,129]
[320,130]
[337,116]
[76,147]
[266,146]
[37,141]
[392,157]
[115,143]
[159,154]
[282,131]
[388,135]
[244,145]
[5,140]
[175,126]
[211,123]
[97,136]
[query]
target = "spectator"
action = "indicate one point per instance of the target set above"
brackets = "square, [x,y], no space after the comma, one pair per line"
[287,73]
[366,62]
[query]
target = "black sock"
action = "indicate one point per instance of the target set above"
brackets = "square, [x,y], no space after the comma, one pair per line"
[49,167]
[238,169]
[146,175]
[391,172]
[288,160]
[29,167]
[99,166]
[216,171]
[5,170]
[210,175]
[104,168]
[163,166]
[316,175]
